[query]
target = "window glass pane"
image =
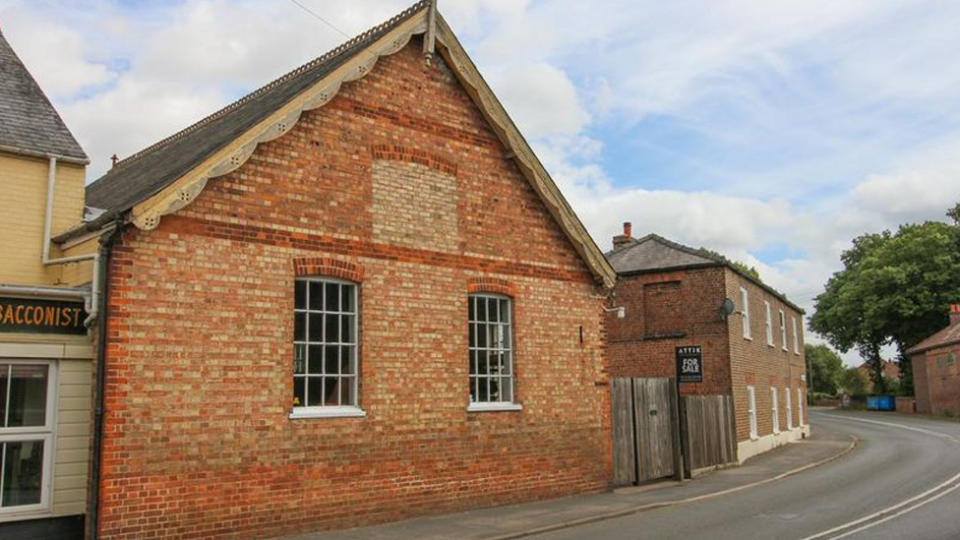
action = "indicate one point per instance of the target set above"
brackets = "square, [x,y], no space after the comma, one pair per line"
[482,335]
[481,309]
[300,294]
[481,362]
[346,298]
[484,389]
[298,397]
[471,309]
[315,391]
[508,363]
[22,473]
[333,328]
[316,327]
[299,326]
[331,390]
[493,309]
[4,372]
[473,362]
[333,297]
[505,311]
[506,386]
[495,389]
[299,358]
[346,328]
[473,389]
[28,396]
[493,339]
[315,359]
[316,295]
[472,340]
[347,391]
[331,361]
[493,359]
[347,355]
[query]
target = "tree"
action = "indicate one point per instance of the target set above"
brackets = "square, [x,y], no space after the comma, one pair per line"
[826,369]
[748,270]
[954,214]
[853,382]
[895,288]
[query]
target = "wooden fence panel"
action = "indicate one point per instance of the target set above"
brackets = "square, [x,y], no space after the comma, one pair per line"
[709,431]
[624,456]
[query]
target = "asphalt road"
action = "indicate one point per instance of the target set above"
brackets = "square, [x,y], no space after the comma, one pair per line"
[901,482]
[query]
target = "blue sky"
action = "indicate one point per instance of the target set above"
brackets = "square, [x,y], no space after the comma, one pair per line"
[771,131]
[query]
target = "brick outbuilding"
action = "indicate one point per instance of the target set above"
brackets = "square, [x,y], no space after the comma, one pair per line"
[936,369]
[353,296]
[673,296]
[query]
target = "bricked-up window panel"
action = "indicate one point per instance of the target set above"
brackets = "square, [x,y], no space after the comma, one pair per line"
[26,435]
[491,349]
[324,343]
[661,308]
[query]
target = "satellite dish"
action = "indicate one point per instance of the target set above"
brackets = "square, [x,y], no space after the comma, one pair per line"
[727,308]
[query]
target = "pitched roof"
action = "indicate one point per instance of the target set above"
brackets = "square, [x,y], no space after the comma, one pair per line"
[145,173]
[654,253]
[28,122]
[170,174]
[948,336]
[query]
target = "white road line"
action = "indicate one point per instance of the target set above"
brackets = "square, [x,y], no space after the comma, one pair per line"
[944,486]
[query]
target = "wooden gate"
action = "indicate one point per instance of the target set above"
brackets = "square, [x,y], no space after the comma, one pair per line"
[646,442]
[710,437]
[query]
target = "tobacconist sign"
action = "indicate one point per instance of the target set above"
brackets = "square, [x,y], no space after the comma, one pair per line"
[689,364]
[32,316]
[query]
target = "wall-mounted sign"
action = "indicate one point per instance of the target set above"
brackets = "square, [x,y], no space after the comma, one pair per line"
[689,364]
[32,316]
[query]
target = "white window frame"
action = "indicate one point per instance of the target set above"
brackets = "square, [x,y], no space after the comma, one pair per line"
[766,306]
[46,433]
[796,335]
[789,408]
[505,347]
[783,330]
[329,411]
[745,312]
[752,411]
[800,394]
[775,408]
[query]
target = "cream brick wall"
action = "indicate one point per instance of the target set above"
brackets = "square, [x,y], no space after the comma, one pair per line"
[24,184]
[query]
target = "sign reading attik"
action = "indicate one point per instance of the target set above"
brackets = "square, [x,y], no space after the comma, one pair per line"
[41,316]
[689,364]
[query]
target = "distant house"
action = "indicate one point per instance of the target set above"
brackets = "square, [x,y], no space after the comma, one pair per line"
[673,295]
[891,370]
[936,369]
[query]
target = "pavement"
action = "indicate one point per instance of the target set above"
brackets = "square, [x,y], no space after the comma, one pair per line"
[585,515]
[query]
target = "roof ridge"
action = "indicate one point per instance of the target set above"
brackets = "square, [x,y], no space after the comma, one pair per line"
[336,51]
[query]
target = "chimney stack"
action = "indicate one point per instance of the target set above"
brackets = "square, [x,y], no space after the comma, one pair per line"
[624,239]
[954,314]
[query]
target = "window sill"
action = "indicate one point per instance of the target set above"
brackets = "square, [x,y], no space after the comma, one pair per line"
[327,412]
[748,338]
[490,407]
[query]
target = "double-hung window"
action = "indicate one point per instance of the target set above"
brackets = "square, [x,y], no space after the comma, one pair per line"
[769,321]
[491,352]
[745,312]
[26,434]
[796,336]
[799,407]
[789,409]
[775,409]
[783,330]
[752,410]
[325,374]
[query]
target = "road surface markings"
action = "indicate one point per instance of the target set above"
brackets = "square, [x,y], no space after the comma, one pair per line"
[872,520]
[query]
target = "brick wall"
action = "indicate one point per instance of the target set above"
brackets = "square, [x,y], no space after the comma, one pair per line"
[664,311]
[937,382]
[198,442]
[754,362]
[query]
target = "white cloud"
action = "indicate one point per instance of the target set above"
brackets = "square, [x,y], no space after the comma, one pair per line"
[541,98]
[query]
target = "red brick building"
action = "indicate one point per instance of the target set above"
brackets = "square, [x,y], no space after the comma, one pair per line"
[936,375]
[353,296]
[674,296]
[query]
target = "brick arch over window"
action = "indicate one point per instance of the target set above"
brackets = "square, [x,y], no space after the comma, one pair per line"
[491,285]
[412,155]
[327,267]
